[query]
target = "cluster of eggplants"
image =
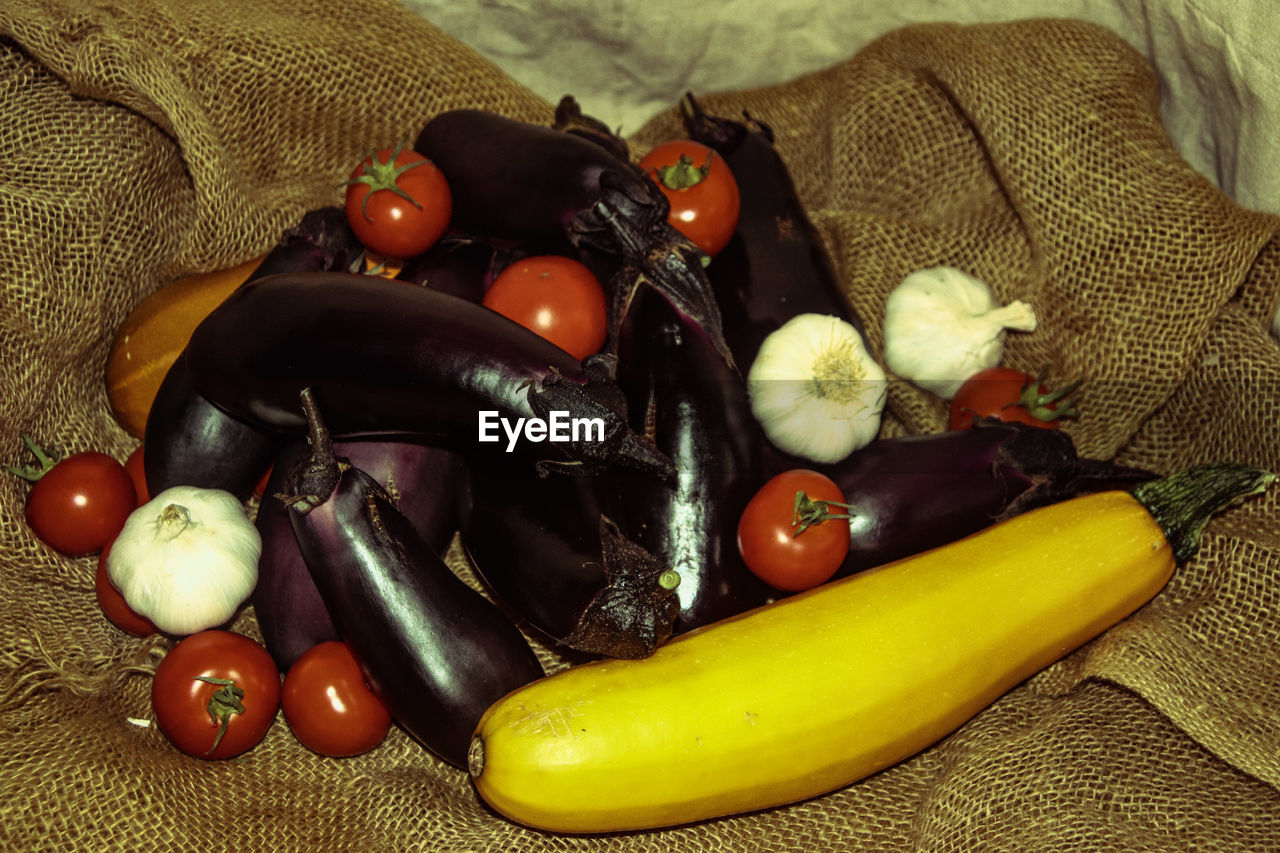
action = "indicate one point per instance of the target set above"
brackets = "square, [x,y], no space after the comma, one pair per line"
[390,359]
[514,180]
[190,441]
[547,550]
[436,651]
[292,616]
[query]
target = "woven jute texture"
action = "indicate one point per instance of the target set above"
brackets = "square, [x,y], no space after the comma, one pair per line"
[147,140]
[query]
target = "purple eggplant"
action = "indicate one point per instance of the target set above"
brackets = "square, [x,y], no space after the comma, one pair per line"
[460,266]
[547,551]
[776,266]
[570,118]
[384,357]
[514,180]
[436,651]
[702,419]
[913,493]
[190,442]
[291,614]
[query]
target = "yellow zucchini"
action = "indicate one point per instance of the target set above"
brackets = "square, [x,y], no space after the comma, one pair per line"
[155,332]
[813,692]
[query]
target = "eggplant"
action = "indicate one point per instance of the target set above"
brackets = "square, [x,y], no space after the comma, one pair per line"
[776,266]
[385,358]
[291,614]
[190,442]
[547,551]
[436,651]
[569,118]
[460,266]
[909,494]
[562,186]
[702,419]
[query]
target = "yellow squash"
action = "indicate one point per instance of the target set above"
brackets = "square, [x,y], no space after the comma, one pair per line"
[816,691]
[153,334]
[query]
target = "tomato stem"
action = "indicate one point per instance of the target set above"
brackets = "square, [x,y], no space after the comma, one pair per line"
[683,173]
[808,512]
[44,462]
[379,175]
[224,702]
[1050,405]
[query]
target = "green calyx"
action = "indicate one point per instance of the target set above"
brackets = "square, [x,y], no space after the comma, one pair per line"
[807,512]
[385,175]
[683,173]
[44,462]
[1183,503]
[223,704]
[1050,405]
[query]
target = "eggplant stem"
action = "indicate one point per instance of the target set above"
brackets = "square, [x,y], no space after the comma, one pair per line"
[807,512]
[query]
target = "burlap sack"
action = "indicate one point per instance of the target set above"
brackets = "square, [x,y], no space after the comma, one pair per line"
[148,140]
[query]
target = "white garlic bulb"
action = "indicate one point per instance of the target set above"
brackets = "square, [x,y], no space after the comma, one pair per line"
[186,559]
[942,325]
[816,390]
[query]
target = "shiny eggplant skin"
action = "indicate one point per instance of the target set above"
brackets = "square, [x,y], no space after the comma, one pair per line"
[516,180]
[190,442]
[291,614]
[909,494]
[436,651]
[461,267]
[776,266]
[702,419]
[546,550]
[384,357]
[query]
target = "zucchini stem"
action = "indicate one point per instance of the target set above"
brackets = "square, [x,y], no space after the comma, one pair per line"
[1183,503]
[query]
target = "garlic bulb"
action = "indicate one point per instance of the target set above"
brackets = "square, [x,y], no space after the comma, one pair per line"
[186,559]
[815,389]
[942,325]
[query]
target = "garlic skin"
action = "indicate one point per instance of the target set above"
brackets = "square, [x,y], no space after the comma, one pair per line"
[942,325]
[816,390]
[186,559]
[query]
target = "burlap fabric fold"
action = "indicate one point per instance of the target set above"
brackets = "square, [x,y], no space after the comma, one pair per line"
[148,140]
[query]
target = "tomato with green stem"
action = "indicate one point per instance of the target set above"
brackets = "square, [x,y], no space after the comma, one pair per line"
[1011,396]
[701,189]
[215,694]
[328,704]
[398,203]
[794,532]
[555,296]
[78,504]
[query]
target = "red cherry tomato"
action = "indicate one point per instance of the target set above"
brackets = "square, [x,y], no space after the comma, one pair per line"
[795,543]
[557,297]
[133,464]
[704,196]
[77,505]
[328,704]
[1011,396]
[113,604]
[215,694]
[398,203]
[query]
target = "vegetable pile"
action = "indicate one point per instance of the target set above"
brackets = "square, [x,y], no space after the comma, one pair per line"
[635,391]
